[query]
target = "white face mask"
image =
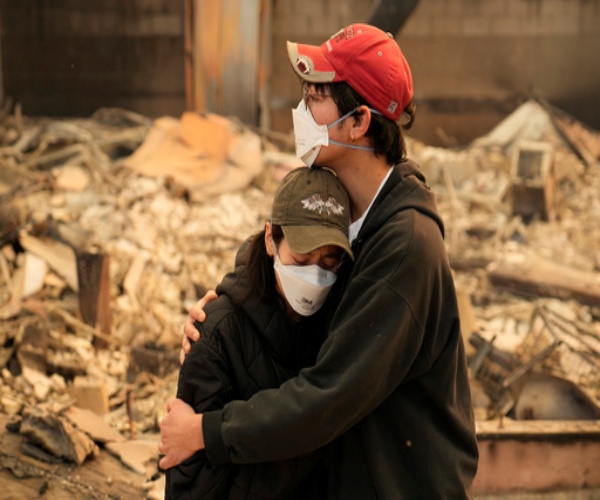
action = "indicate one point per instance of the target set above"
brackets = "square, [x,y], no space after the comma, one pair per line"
[305,287]
[310,136]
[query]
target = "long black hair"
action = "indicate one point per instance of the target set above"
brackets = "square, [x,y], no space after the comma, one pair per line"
[259,267]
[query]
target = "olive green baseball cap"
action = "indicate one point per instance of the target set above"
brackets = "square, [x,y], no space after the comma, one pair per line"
[313,209]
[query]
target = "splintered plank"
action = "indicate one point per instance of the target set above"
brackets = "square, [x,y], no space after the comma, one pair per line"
[532,275]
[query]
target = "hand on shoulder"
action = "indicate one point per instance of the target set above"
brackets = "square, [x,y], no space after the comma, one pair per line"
[190,333]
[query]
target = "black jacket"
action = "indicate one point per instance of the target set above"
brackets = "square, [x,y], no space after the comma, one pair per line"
[390,388]
[244,348]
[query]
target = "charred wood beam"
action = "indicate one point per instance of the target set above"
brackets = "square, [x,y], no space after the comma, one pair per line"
[94,292]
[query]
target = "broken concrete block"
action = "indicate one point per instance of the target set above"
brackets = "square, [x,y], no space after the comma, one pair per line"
[136,454]
[90,394]
[93,425]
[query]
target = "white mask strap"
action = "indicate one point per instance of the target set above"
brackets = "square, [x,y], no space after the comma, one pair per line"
[351,146]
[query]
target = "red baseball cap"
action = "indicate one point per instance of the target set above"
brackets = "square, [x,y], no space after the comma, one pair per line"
[366,58]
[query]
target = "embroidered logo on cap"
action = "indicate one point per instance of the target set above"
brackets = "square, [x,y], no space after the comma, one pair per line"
[341,35]
[317,203]
[303,66]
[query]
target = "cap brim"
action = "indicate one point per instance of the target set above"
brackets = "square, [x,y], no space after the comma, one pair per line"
[305,239]
[309,62]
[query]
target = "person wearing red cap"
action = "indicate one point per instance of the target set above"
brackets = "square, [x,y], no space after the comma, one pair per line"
[388,396]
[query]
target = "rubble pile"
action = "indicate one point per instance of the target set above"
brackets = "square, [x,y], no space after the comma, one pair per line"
[112,226]
[105,243]
[523,231]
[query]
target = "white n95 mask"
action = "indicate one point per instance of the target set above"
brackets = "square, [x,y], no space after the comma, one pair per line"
[305,287]
[310,136]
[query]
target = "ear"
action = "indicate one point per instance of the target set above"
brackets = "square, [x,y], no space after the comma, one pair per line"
[361,122]
[269,240]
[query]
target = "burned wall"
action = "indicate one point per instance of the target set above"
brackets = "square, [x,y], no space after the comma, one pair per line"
[473,61]
[68,58]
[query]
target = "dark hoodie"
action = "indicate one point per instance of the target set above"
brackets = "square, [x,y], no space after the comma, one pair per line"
[390,388]
[244,348]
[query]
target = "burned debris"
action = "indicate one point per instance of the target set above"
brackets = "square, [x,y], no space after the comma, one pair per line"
[112,226]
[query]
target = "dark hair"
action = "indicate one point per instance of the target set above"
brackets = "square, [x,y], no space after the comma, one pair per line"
[259,268]
[386,135]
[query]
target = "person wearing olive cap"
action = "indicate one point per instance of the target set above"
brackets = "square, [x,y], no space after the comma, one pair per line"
[263,328]
[389,394]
